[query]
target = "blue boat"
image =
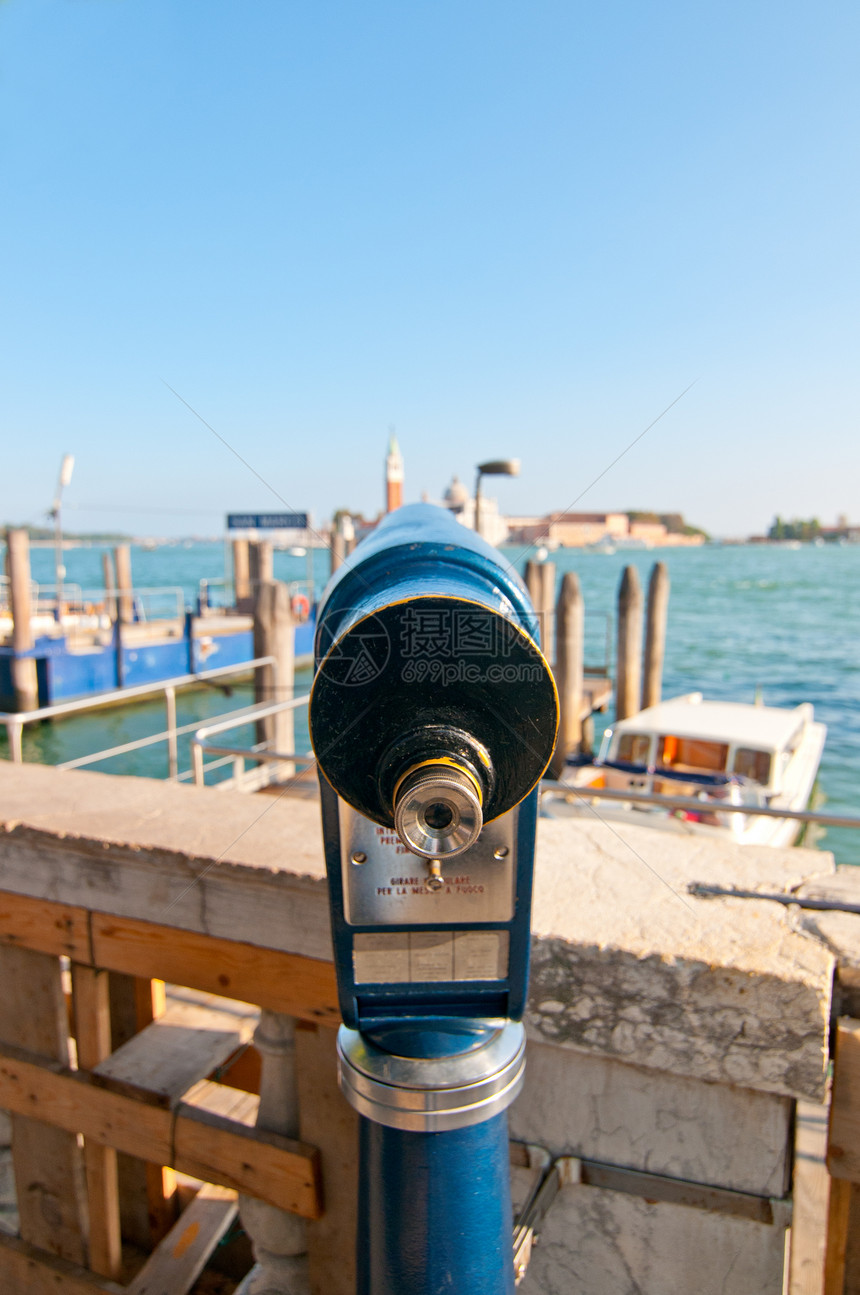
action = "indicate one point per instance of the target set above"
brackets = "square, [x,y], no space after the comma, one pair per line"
[95,653]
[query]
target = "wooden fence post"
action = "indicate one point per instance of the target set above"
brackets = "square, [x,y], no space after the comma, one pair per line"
[147,1192]
[274,636]
[655,634]
[569,665]
[90,999]
[25,682]
[628,665]
[47,1161]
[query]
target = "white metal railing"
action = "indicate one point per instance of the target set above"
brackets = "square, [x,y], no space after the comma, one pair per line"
[6,589]
[204,592]
[260,752]
[582,795]
[158,602]
[84,609]
[16,722]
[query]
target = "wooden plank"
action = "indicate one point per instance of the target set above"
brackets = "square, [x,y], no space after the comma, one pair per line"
[195,1139]
[90,996]
[44,926]
[243,1071]
[838,1215]
[49,1175]
[843,1147]
[182,1255]
[26,1270]
[175,1052]
[810,1190]
[32,1005]
[328,1121]
[285,982]
[216,1148]
[71,1100]
[147,1192]
[852,1249]
[222,1099]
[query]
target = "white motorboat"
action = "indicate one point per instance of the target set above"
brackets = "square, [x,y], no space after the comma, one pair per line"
[720,754]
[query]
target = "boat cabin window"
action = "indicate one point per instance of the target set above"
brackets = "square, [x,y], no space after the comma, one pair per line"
[692,753]
[634,748]
[750,763]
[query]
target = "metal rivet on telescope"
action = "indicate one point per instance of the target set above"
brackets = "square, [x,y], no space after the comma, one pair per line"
[359,857]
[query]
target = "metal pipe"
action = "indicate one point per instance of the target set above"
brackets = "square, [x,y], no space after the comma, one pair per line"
[703,891]
[15,732]
[197,764]
[172,748]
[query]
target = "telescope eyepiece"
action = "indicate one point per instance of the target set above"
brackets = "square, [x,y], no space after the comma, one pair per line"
[437,811]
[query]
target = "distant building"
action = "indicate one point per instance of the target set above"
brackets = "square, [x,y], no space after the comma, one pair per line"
[579,530]
[461,503]
[393,476]
[573,530]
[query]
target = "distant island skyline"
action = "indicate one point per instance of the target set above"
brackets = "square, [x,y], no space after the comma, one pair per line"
[805,530]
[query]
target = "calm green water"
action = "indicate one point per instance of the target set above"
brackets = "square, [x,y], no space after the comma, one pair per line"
[742,620]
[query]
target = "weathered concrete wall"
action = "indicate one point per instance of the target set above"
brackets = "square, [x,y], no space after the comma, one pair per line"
[598,1109]
[604,1243]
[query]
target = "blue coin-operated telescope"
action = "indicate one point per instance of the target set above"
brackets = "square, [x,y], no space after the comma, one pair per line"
[433,715]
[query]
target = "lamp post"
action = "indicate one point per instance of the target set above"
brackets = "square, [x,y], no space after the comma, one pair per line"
[66,468]
[493,468]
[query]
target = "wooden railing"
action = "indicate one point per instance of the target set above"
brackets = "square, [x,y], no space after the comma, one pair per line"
[154,1098]
[842,1265]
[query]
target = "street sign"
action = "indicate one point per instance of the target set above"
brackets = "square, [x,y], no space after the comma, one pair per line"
[267,521]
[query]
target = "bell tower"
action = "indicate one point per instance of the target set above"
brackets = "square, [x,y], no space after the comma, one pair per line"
[393,476]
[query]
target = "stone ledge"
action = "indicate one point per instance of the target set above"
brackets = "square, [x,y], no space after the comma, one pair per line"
[625,963]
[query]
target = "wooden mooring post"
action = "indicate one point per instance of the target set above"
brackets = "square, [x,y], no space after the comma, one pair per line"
[25,683]
[628,665]
[122,558]
[655,634]
[337,548]
[241,576]
[261,564]
[540,582]
[569,669]
[109,577]
[274,636]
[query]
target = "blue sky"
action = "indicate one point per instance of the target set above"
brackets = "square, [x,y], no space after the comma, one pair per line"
[504,229]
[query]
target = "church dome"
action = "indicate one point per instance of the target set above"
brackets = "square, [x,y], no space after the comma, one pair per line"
[456,496]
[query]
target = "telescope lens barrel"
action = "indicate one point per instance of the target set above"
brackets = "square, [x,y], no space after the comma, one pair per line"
[426,659]
[437,811]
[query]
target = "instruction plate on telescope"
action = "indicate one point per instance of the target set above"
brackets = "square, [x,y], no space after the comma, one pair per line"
[385,884]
